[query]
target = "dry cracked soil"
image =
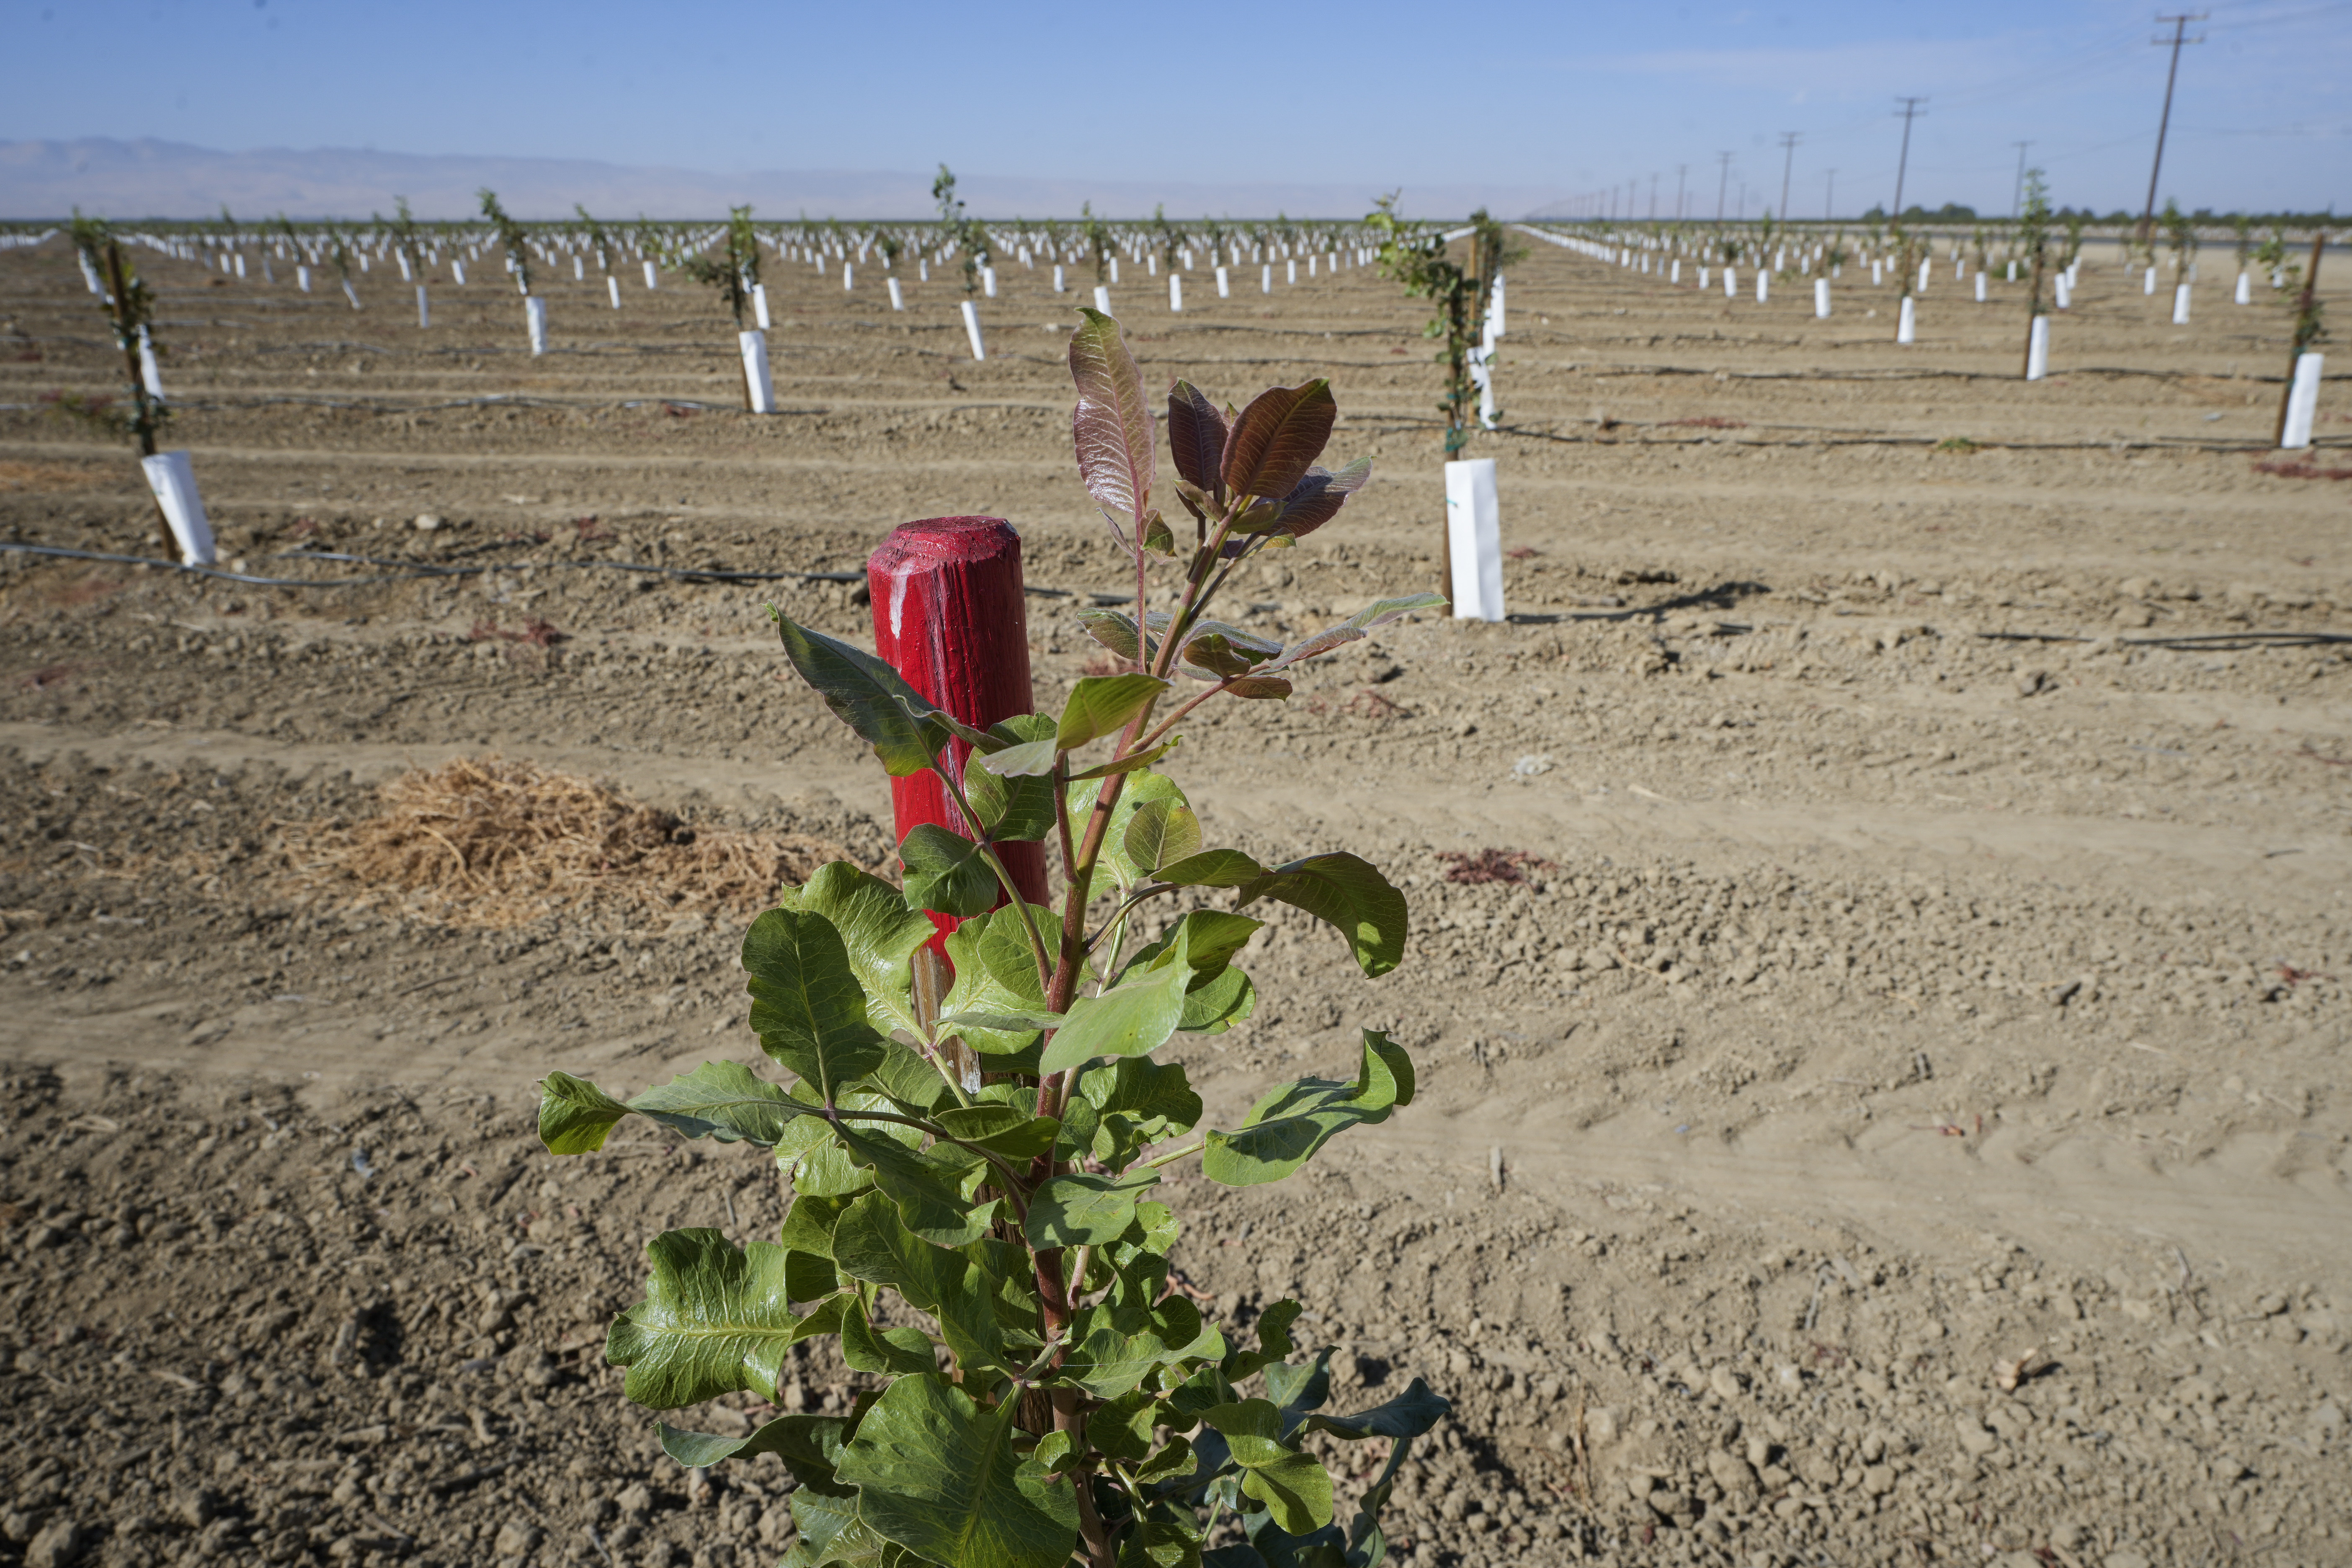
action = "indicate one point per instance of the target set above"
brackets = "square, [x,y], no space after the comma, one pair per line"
[1880,924]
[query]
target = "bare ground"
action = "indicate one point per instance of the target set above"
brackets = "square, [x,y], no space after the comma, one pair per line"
[1932,799]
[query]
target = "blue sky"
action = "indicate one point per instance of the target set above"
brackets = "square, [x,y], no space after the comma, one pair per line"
[1566,99]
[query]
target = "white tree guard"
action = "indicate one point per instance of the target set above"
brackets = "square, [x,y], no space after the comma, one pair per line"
[649,275]
[762,387]
[971,330]
[613,290]
[150,375]
[2037,349]
[1176,293]
[898,300]
[760,305]
[1906,329]
[423,311]
[1473,540]
[2303,401]
[2181,305]
[534,315]
[173,480]
[1224,284]
[1102,298]
[1820,299]
[2245,290]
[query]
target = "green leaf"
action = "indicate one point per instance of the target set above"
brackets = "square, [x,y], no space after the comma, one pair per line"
[1252,1428]
[1272,1341]
[808,1276]
[1212,869]
[904,729]
[1175,1460]
[1132,1017]
[1116,434]
[1284,1130]
[1014,808]
[1277,439]
[938,1475]
[925,1184]
[1113,863]
[1155,1096]
[810,1447]
[1408,1414]
[1345,893]
[1380,611]
[806,1005]
[717,1319]
[1000,1128]
[1297,1388]
[808,1226]
[1004,1023]
[831,1532]
[1113,1348]
[1215,1003]
[945,872]
[1122,1428]
[725,1101]
[1115,629]
[996,974]
[913,1083]
[1102,705]
[1160,832]
[1294,1489]
[1080,1210]
[879,931]
[1127,764]
[1260,688]
[575,1115]
[894,1353]
[1031,759]
[873,1243]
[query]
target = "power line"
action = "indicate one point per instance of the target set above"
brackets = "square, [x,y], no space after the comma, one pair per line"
[1789,147]
[1828,203]
[2179,28]
[2017,200]
[1723,188]
[1910,111]
[1681,171]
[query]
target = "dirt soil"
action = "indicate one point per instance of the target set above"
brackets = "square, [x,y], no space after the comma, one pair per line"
[1905,933]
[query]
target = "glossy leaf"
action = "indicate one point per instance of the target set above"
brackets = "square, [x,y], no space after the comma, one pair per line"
[1345,893]
[1294,1486]
[806,1005]
[1111,1349]
[880,933]
[1380,611]
[575,1116]
[1212,869]
[1118,441]
[945,872]
[1000,1128]
[1408,1414]
[831,1532]
[1102,705]
[1115,629]
[873,1243]
[1196,438]
[1260,688]
[1160,832]
[1284,1130]
[904,729]
[1112,865]
[1014,807]
[893,1353]
[925,1184]
[1132,1017]
[996,974]
[810,1447]
[1155,1096]
[1277,439]
[938,1475]
[725,1101]
[1081,1210]
[1031,759]
[716,1319]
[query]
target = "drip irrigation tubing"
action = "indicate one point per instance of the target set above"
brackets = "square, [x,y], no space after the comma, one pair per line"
[413,569]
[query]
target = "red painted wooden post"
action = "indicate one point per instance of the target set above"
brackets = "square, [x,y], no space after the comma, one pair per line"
[949,615]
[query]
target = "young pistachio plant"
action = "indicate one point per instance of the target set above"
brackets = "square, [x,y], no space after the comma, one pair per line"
[984,1243]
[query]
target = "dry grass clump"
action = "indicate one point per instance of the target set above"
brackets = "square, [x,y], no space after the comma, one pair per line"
[486,843]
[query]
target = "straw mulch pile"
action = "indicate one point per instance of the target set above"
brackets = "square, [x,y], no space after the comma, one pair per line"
[489,843]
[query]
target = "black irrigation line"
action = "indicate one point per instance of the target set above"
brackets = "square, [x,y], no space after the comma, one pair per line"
[1394,423]
[413,569]
[2219,642]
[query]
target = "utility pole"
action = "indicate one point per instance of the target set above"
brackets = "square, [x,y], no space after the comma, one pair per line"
[1910,110]
[1789,147]
[1829,205]
[1681,173]
[2017,201]
[1654,198]
[2179,28]
[1723,186]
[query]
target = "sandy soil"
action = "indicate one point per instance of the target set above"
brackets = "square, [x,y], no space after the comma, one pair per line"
[1931,949]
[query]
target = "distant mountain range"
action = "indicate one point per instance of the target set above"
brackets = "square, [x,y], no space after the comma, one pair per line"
[149,178]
